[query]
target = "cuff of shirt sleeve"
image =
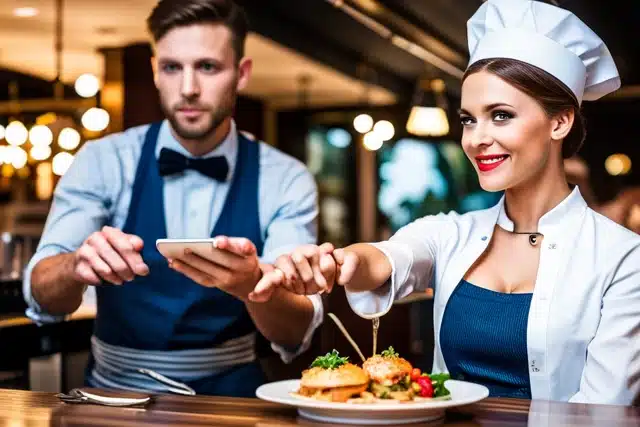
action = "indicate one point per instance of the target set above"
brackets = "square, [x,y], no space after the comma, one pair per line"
[378,302]
[287,355]
[34,311]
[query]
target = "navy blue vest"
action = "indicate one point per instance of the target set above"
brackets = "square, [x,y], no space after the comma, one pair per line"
[166,310]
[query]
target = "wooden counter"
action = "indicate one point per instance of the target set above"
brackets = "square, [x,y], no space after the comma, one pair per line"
[21,408]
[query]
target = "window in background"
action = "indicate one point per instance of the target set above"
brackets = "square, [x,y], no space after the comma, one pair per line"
[331,159]
[419,178]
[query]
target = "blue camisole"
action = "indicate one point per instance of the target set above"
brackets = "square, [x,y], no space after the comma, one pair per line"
[483,339]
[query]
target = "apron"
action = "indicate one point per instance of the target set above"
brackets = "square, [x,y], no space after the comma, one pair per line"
[167,313]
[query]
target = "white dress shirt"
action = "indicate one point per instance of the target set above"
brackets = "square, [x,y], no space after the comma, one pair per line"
[96,191]
[583,337]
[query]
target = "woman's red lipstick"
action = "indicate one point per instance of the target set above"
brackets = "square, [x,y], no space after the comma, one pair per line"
[488,163]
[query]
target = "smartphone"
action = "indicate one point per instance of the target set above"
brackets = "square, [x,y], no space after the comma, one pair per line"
[174,249]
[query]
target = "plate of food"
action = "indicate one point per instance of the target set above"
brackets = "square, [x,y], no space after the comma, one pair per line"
[386,389]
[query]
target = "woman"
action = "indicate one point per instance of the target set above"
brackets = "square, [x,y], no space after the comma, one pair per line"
[538,297]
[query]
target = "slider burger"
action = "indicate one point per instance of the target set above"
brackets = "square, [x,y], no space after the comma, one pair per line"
[332,378]
[390,376]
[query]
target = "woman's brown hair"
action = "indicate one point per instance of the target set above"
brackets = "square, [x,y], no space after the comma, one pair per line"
[552,95]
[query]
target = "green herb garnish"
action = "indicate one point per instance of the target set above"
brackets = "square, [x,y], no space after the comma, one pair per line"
[330,361]
[439,390]
[390,352]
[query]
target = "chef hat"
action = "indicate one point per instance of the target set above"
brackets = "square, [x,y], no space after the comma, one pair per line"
[548,37]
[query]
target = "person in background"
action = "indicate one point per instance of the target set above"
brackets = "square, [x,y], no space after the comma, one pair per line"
[578,172]
[192,175]
[624,209]
[539,296]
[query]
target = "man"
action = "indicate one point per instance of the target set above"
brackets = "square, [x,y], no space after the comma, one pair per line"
[192,175]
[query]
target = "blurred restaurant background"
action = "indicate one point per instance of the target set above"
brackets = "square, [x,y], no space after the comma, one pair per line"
[364,92]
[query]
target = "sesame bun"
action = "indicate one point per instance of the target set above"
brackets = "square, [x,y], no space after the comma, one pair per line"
[343,376]
[383,369]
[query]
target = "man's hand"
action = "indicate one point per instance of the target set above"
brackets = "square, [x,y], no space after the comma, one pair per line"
[109,255]
[237,272]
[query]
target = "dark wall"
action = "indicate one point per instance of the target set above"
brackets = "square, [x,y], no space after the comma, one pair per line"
[141,103]
[293,127]
[29,86]
[249,116]
[612,127]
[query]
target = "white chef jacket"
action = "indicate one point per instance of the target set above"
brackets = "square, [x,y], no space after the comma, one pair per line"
[583,334]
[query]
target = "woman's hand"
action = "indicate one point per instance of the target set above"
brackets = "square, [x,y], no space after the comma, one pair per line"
[308,270]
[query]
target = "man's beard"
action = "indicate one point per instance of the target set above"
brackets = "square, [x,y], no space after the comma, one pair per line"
[214,118]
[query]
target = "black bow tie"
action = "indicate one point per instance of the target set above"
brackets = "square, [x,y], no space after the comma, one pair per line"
[171,162]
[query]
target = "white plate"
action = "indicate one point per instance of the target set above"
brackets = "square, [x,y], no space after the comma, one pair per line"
[462,393]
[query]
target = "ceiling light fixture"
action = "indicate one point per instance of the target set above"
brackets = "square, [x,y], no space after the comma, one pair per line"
[25,12]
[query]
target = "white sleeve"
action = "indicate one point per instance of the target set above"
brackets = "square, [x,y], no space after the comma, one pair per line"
[81,205]
[293,221]
[412,252]
[612,370]
[287,355]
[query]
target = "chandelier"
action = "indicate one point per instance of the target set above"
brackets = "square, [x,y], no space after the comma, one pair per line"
[41,136]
